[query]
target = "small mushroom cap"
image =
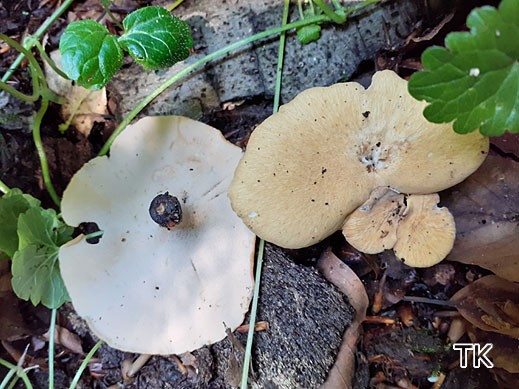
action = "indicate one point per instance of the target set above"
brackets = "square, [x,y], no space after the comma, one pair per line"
[143,288]
[311,164]
[372,227]
[426,233]
[419,232]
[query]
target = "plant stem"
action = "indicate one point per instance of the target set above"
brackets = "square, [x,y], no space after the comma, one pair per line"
[3,187]
[8,377]
[199,63]
[37,35]
[261,244]
[300,9]
[51,63]
[84,364]
[19,371]
[36,134]
[175,5]
[52,331]
[34,68]
[328,12]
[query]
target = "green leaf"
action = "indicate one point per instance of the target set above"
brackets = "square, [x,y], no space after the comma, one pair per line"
[155,38]
[308,34]
[89,54]
[475,80]
[12,205]
[35,268]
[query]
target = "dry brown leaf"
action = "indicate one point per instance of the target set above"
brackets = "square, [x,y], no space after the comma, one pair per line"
[505,349]
[486,208]
[339,274]
[491,304]
[67,339]
[86,106]
[12,325]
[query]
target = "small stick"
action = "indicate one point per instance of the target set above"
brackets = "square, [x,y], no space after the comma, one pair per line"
[138,364]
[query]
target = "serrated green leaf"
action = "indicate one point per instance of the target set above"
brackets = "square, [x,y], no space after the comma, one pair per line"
[475,80]
[308,34]
[35,268]
[155,38]
[12,205]
[89,54]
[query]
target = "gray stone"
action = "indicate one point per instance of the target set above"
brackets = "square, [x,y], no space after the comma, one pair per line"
[250,71]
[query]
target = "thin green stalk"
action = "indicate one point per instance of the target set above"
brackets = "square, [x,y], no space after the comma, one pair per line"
[13,382]
[175,5]
[47,59]
[84,364]
[300,9]
[8,377]
[19,372]
[52,332]
[328,12]
[37,35]
[106,7]
[36,134]
[3,187]
[199,63]
[261,245]
[337,4]
[36,72]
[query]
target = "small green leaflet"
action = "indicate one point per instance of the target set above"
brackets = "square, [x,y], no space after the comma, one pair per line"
[475,80]
[308,34]
[35,268]
[12,205]
[90,54]
[155,38]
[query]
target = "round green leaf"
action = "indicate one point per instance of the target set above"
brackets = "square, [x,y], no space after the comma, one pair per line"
[475,79]
[35,267]
[89,54]
[155,38]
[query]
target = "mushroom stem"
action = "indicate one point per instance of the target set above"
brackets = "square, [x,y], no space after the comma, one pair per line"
[138,364]
[165,210]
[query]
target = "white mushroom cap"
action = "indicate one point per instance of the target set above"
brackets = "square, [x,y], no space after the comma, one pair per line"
[144,288]
[311,164]
[420,233]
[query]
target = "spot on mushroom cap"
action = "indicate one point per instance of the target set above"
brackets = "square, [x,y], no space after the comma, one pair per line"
[310,165]
[143,288]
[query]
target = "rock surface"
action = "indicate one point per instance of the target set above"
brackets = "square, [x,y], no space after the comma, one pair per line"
[251,70]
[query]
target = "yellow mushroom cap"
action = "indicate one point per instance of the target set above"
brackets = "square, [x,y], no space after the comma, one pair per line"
[420,233]
[372,228]
[307,167]
[426,233]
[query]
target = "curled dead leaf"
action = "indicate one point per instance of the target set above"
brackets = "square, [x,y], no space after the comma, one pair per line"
[339,274]
[67,339]
[505,349]
[485,208]
[491,304]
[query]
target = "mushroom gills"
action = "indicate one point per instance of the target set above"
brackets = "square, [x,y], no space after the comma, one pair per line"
[420,233]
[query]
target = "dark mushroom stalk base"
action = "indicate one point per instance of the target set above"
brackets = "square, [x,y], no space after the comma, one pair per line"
[165,210]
